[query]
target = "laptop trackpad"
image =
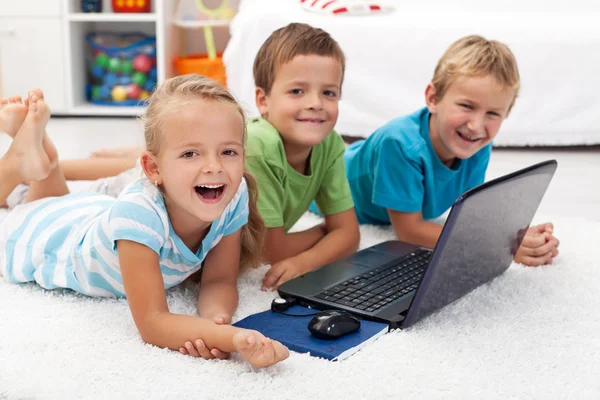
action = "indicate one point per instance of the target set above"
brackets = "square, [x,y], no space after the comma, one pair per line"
[372,258]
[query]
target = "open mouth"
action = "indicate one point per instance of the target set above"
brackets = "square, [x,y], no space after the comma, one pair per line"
[210,193]
[467,138]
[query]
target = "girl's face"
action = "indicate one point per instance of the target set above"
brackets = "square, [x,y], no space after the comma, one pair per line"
[201,163]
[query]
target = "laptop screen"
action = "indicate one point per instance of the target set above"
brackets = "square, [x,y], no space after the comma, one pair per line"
[482,233]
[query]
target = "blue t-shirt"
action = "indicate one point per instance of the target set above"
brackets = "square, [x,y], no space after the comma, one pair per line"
[397,168]
[71,241]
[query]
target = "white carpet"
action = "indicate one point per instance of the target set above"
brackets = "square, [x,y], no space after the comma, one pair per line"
[531,333]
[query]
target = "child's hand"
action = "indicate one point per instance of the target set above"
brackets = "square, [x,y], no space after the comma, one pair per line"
[199,349]
[259,350]
[281,272]
[539,246]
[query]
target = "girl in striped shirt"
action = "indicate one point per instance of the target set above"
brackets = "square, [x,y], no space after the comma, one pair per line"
[194,208]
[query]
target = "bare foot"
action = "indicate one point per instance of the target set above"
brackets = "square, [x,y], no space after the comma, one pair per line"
[49,147]
[26,148]
[12,115]
[120,152]
[258,350]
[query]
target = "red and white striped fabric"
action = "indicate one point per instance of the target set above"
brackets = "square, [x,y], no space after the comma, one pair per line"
[346,7]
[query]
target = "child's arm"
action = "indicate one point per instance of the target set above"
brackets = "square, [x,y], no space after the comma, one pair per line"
[341,239]
[538,247]
[411,228]
[144,288]
[218,296]
[280,245]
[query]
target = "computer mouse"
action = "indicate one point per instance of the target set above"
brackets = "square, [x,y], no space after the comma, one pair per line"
[332,324]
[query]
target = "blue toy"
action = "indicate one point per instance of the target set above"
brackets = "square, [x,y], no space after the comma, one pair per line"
[153,74]
[125,80]
[111,79]
[150,85]
[97,71]
[88,6]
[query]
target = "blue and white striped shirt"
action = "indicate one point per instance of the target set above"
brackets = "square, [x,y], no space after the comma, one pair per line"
[70,241]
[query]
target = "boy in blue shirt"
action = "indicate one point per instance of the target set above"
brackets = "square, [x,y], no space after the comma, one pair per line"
[413,168]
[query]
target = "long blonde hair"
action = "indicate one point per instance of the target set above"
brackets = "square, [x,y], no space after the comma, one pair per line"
[170,96]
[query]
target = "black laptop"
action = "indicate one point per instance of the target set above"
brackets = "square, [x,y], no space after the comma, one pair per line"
[400,283]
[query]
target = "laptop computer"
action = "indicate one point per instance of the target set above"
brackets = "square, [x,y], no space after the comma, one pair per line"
[400,283]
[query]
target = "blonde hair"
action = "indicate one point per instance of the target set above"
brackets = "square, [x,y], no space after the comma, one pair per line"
[172,95]
[288,42]
[475,56]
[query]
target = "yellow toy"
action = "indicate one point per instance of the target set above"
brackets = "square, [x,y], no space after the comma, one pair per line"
[119,93]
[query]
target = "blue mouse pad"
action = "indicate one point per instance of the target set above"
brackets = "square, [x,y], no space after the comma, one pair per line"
[293,332]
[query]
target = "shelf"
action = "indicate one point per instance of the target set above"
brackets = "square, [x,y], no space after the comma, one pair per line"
[96,110]
[200,24]
[112,17]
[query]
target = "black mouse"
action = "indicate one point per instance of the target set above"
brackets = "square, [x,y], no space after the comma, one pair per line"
[332,324]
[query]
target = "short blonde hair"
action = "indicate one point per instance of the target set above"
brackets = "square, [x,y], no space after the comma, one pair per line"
[172,95]
[288,42]
[475,56]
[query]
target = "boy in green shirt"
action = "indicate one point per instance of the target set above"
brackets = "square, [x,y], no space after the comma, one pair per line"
[295,155]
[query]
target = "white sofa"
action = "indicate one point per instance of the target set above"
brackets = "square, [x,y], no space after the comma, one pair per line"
[391,58]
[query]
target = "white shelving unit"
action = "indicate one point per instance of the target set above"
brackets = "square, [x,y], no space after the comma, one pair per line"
[42,44]
[78,24]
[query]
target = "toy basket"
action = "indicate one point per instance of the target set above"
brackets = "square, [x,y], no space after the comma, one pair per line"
[202,65]
[204,14]
[121,68]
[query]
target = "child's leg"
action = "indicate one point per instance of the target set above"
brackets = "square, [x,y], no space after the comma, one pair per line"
[53,182]
[89,169]
[119,152]
[26,159]
[9,174]
[12,114]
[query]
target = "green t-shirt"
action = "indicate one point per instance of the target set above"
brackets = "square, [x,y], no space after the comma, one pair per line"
[284,194]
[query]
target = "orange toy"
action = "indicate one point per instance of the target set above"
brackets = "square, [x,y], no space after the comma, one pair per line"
[131,6]
[203,65]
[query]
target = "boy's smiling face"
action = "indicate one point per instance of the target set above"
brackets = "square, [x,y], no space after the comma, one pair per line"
[468,117]
[303,102]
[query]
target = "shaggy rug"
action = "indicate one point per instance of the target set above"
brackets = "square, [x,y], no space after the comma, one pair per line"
[530,333]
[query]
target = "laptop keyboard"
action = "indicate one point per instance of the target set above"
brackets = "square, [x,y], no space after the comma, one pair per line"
[378,287]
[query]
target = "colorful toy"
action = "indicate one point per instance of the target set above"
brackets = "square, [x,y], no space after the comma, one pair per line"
[97,71]
[139,78]
[102,60]
[131,6]
[347,7]
[111,79]
[150,85]
[133,91]
[114,64]
[142,63]
[121,70]
[119,93]
[126,67]
[203,14]
[89,6]
[153,74]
